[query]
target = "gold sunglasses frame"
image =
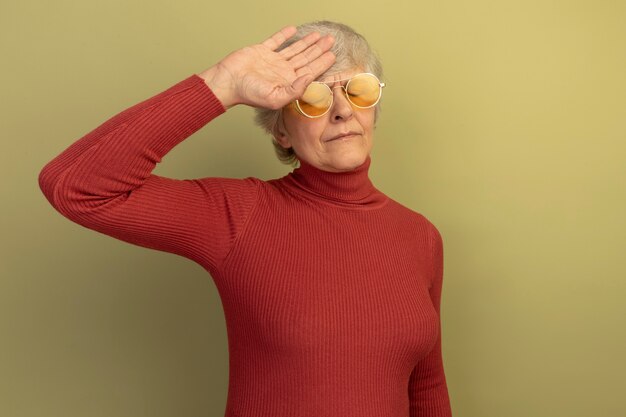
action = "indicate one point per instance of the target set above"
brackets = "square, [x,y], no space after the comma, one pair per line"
[381,85]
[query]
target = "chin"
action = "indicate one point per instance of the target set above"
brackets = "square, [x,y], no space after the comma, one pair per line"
[349,162]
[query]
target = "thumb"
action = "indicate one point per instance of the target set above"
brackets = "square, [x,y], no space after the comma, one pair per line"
[300,84]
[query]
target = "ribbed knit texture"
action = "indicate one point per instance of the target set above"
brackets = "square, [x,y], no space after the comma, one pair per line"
[331,290]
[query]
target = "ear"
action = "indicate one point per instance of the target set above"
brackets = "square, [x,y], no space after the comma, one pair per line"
[282,138]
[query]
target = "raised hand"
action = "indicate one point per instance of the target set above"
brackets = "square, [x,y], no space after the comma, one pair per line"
[259,76]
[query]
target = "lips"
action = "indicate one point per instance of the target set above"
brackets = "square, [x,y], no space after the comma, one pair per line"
[342,135]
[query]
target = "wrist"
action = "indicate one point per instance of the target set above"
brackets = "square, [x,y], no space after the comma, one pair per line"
[220,85]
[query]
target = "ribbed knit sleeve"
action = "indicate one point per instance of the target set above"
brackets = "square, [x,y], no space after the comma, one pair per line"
[103,181]
[428,391]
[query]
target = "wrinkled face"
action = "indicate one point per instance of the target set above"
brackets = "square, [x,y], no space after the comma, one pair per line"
[338,141]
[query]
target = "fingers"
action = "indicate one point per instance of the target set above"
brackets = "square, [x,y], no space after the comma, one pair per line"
[279,37]
[318,66]
[312,52]
[299,46]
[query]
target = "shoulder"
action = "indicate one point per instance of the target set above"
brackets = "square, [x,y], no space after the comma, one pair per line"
[413,216]
[418,224]
[248,185]
[230,193]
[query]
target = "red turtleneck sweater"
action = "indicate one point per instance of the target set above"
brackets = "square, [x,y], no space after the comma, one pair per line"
[331,290]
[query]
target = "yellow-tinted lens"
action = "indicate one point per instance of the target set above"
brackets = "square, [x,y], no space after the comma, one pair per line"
[363,90]
[316,100]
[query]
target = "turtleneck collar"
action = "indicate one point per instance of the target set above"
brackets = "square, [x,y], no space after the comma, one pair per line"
[352,188]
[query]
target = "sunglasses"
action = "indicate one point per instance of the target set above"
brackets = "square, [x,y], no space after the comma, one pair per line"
[362,90]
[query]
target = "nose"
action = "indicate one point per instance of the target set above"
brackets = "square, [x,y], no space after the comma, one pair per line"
[341,109]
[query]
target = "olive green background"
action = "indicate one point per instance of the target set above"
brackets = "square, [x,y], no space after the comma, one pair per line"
[504,122]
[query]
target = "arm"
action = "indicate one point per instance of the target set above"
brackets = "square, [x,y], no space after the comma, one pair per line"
[428,391]
[103,181]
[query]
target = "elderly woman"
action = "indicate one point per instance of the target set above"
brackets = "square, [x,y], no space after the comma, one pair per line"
[330,289]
